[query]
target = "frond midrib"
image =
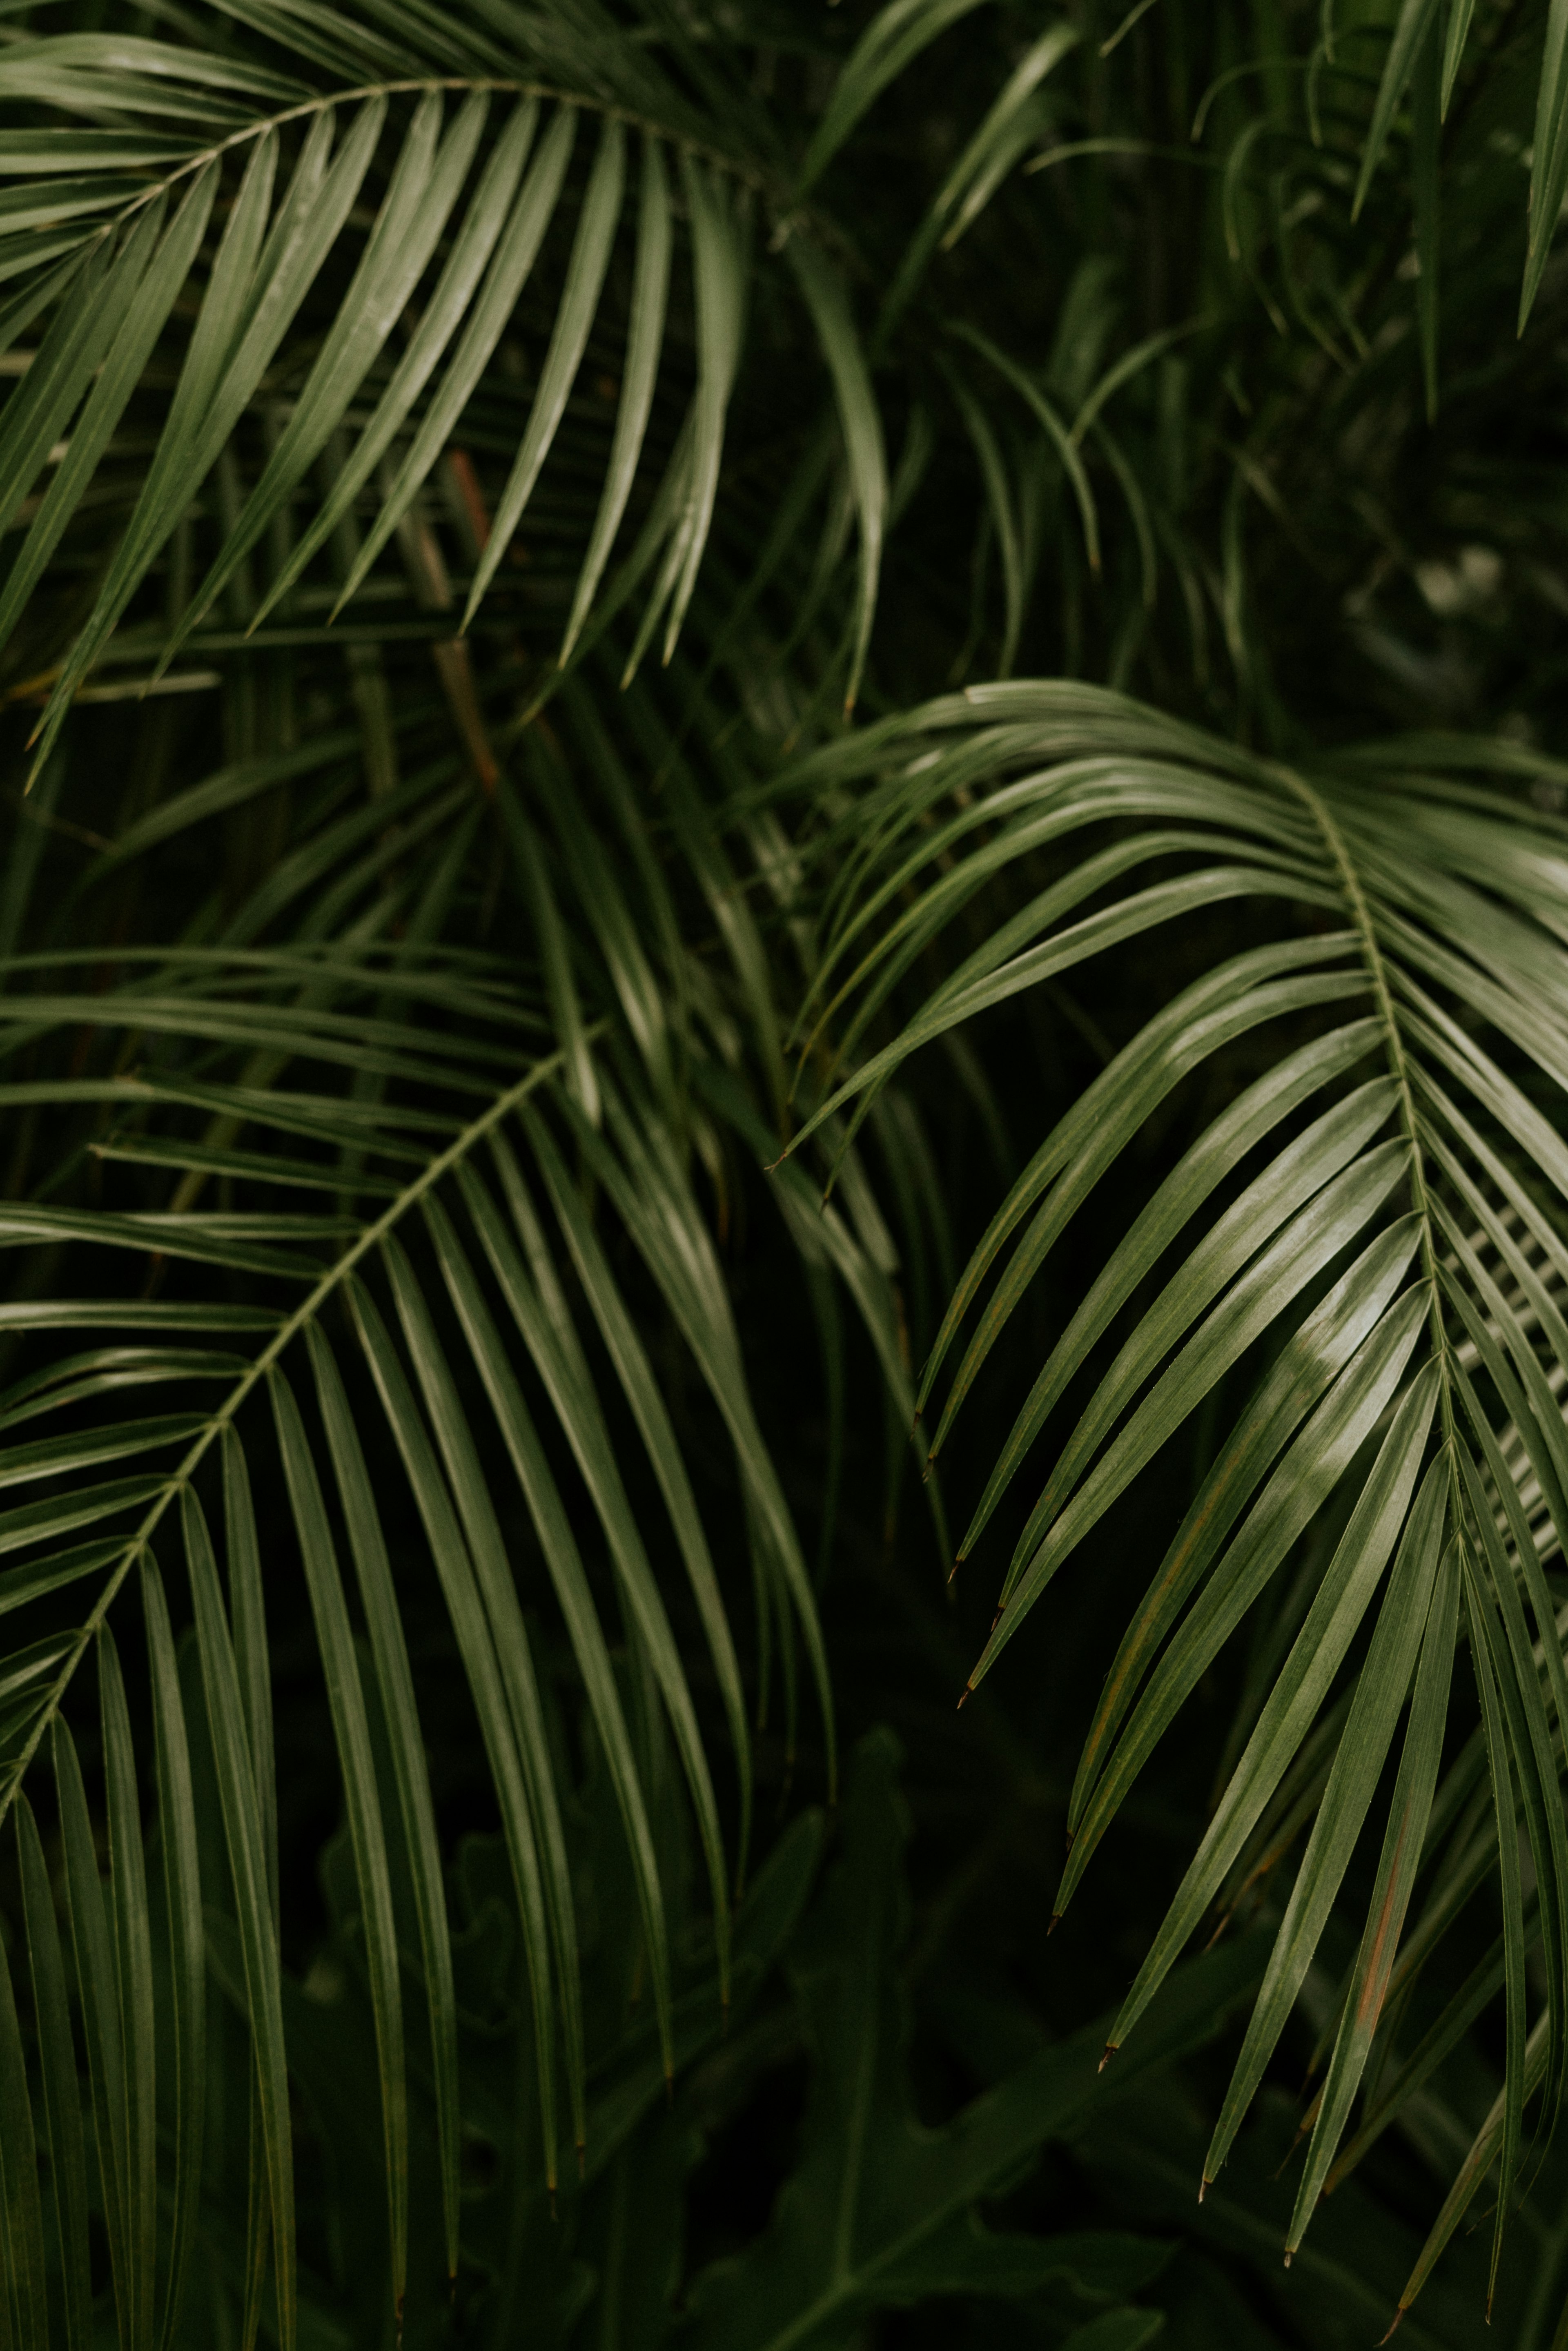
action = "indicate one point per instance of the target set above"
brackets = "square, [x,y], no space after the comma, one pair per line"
[749,174]
[288,1331]
[1387,1016]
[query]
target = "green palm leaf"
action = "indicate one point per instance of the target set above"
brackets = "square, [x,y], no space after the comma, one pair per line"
[451,175]
[1397,1330]
[451,1491]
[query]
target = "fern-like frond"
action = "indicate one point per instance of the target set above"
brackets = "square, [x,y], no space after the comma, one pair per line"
[437,171]
[469,1229]
[1377,1220]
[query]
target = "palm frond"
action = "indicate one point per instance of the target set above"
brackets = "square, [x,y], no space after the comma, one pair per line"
[378,1159]
[440,181]
[1418,1350]
[396,969]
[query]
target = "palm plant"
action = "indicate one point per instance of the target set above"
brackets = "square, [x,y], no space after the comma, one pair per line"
[607,611]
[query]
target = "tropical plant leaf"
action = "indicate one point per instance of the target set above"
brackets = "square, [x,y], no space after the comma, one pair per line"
[1336,1378]
[285,224]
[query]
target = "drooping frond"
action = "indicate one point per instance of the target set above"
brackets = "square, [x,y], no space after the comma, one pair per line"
[355,243]
[363,1213]
[489,1207]
[1369,1237]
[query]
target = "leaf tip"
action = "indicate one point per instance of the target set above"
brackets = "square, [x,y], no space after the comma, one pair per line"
[1110,2051]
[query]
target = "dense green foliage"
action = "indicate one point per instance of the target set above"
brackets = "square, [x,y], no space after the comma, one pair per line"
[785,930]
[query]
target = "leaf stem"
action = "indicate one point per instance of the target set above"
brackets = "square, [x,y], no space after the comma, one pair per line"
[426,82]
[1377,971]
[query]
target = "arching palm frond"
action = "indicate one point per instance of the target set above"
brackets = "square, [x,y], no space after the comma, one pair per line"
[433,1210]
[1377,1220]
[364,1208]
[351,242]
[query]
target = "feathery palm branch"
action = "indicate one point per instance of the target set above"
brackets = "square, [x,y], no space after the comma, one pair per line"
[459,1186]
[1377,1220]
